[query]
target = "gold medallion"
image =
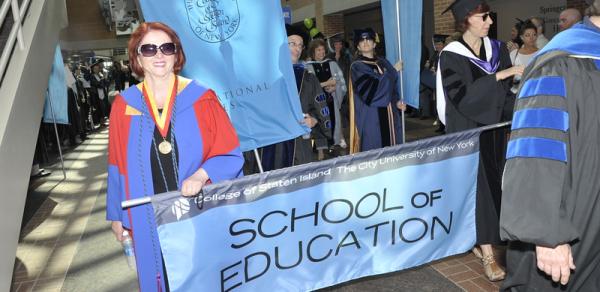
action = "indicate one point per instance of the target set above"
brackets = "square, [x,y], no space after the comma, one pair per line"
[165,147]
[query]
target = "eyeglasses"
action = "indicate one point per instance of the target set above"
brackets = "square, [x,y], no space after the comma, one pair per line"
[485,16]
[150,50]
[294,44]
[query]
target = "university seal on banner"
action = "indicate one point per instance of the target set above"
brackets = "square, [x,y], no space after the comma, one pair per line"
[213,21]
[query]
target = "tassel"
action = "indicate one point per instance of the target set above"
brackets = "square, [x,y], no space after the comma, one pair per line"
[158,283]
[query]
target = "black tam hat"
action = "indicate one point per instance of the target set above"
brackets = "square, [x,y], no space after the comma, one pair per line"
[461,8]
[291,30]
[361,34]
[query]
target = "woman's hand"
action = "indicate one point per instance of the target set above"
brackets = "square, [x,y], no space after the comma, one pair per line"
[192,185]
[510,72]
[329,89]
[511,46]
[398,66]
[329,83]
[401,105]
[309,121]
[117,229]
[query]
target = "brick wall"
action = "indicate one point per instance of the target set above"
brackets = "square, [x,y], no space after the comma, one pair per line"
[333,23]
[444,24]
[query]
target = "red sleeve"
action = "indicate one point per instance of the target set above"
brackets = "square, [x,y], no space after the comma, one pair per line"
[222,158]
[118,134]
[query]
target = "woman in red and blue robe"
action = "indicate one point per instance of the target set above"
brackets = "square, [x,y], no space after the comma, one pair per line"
[179,140]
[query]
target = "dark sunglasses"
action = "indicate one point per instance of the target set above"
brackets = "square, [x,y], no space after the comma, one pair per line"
[485,16]
[150,50]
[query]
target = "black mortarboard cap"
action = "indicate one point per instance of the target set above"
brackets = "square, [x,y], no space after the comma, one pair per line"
[97,62]
[292,30]
[439,38]
[361,34]
[461,8]
[338,37]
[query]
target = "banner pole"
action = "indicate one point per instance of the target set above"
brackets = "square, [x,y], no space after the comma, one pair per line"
[60,154]
[401,75]
[495,126]
[135,202]
[90,108]
[260,168]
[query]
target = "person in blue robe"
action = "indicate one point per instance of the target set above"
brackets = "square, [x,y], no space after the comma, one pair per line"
[375,117]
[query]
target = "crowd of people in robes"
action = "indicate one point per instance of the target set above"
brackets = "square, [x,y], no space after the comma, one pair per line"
[90,90]
[536,182]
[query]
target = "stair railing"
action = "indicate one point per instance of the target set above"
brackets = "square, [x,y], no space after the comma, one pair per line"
[16,31]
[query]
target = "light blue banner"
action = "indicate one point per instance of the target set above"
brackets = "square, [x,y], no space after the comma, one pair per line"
[410,18]
[320,224]
[239,49]
[57,92]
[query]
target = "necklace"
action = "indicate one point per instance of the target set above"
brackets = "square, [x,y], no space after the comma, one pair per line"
[164,147]
[168,144]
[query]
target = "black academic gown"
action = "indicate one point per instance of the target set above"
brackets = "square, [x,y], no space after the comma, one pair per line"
[474,99]
[299,151]
[552,179]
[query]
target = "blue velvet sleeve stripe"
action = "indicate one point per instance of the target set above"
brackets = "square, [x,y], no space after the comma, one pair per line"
[546,118]
[537,148]
[225,167]
[550,85]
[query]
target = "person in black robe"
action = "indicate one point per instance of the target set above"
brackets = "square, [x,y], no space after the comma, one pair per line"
[118,76]
[375,103]
[551,203]
[99,93]
[474,90]
[314,106]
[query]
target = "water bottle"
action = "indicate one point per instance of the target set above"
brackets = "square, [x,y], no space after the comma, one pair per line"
[128,249]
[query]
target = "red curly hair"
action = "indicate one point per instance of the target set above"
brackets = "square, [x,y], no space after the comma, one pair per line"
[140,33]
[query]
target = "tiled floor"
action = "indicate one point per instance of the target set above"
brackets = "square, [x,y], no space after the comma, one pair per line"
[466,271]
[50,240]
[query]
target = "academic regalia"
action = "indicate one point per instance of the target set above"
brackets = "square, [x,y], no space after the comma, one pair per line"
[99,96]
[551,182]
[203,138]
[299,151]
[325,70]
[343,61]
[375,119]
[468,97]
